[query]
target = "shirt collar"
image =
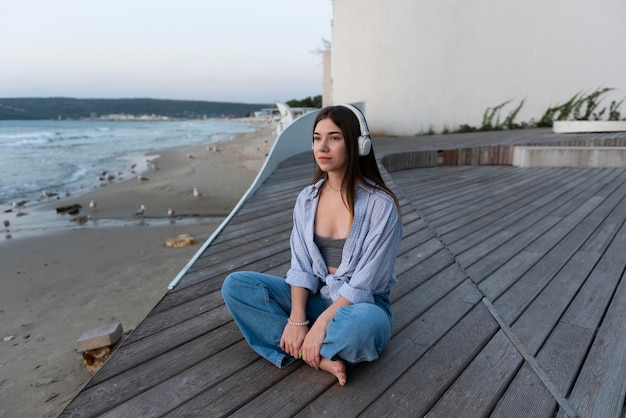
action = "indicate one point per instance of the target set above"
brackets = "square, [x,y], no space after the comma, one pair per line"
[366,185]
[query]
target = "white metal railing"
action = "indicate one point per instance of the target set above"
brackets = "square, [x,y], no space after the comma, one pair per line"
[295,139]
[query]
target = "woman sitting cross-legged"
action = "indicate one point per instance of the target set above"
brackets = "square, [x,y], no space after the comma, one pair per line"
[333,308]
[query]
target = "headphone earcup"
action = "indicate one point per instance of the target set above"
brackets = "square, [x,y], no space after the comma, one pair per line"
[365,145]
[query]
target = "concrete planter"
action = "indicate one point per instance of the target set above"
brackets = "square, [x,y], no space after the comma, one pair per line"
[580,126]
[575,157]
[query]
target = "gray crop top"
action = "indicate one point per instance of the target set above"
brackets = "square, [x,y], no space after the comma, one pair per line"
[331,249]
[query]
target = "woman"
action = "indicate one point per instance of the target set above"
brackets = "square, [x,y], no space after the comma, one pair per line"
[333,309]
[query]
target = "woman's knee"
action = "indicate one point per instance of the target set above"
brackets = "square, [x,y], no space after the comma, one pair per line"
[233,283]
[365,321]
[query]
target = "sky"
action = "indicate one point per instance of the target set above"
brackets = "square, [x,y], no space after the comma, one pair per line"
[250,51]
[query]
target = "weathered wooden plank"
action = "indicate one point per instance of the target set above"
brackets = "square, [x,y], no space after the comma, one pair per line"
[532,282]
[422,271]
[499,190]
[478,389]
[542,315]
[232,393]
[142,376]
[600,388]
[366,383]
[130,355]
[416,391]
[527,396]
[408,306]
[168,395]
[505,276]
[490,220]
[487,238]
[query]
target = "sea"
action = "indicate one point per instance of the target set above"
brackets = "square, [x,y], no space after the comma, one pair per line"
[67,157]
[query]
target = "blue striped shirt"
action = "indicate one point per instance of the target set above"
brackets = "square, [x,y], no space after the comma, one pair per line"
[369,254]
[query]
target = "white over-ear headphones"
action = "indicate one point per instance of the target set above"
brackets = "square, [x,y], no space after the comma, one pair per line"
[365,142]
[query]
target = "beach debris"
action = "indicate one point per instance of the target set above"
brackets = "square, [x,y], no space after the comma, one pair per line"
[48,194]
[6,224]
[104,336]
[8,338]
[96,344]
[196,193]
[143,179]
[93,205]
[183,240]
[80,220]
[95,359]
[52,396]
[70,209]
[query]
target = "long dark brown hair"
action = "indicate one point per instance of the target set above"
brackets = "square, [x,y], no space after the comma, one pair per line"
[358,167]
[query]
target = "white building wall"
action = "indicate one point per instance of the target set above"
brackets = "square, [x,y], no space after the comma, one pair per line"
[435,64]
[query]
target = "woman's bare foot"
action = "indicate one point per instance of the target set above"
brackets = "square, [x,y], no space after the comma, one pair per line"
[335,367]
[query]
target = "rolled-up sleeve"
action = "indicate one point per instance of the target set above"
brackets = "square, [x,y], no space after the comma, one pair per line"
[300,273]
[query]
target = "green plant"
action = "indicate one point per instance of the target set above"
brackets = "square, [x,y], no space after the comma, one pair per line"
[509,122]
[614,113]
[579,107]
[488,116]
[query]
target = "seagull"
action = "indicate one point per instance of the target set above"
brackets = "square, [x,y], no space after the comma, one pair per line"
[18,205]
[190,156]
[141,211]
[171,212]
[142,178]
[48,194]
[196,193]
[92,205]
[6,224]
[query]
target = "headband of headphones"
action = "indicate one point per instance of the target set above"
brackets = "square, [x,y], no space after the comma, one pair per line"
[364,140]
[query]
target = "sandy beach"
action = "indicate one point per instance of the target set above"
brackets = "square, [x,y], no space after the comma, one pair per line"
[113,268]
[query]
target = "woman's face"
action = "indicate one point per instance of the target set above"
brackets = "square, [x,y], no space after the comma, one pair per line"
[329,147]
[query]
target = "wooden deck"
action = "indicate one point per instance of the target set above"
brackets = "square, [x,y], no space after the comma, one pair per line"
[510,302]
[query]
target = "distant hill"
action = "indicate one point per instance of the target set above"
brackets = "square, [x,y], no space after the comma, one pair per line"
[69,108]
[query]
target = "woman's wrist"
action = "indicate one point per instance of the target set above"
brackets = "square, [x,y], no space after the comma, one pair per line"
[298,323]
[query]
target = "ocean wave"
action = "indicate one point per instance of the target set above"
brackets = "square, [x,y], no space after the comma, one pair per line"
[29,139]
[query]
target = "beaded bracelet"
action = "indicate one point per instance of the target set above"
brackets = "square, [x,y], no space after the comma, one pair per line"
[298,324]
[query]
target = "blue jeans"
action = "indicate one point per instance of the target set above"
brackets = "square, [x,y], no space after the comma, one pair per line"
[260,305]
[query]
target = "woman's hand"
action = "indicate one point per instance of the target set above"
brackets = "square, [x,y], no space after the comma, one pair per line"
[312,344]
[314,339]
[292,338]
